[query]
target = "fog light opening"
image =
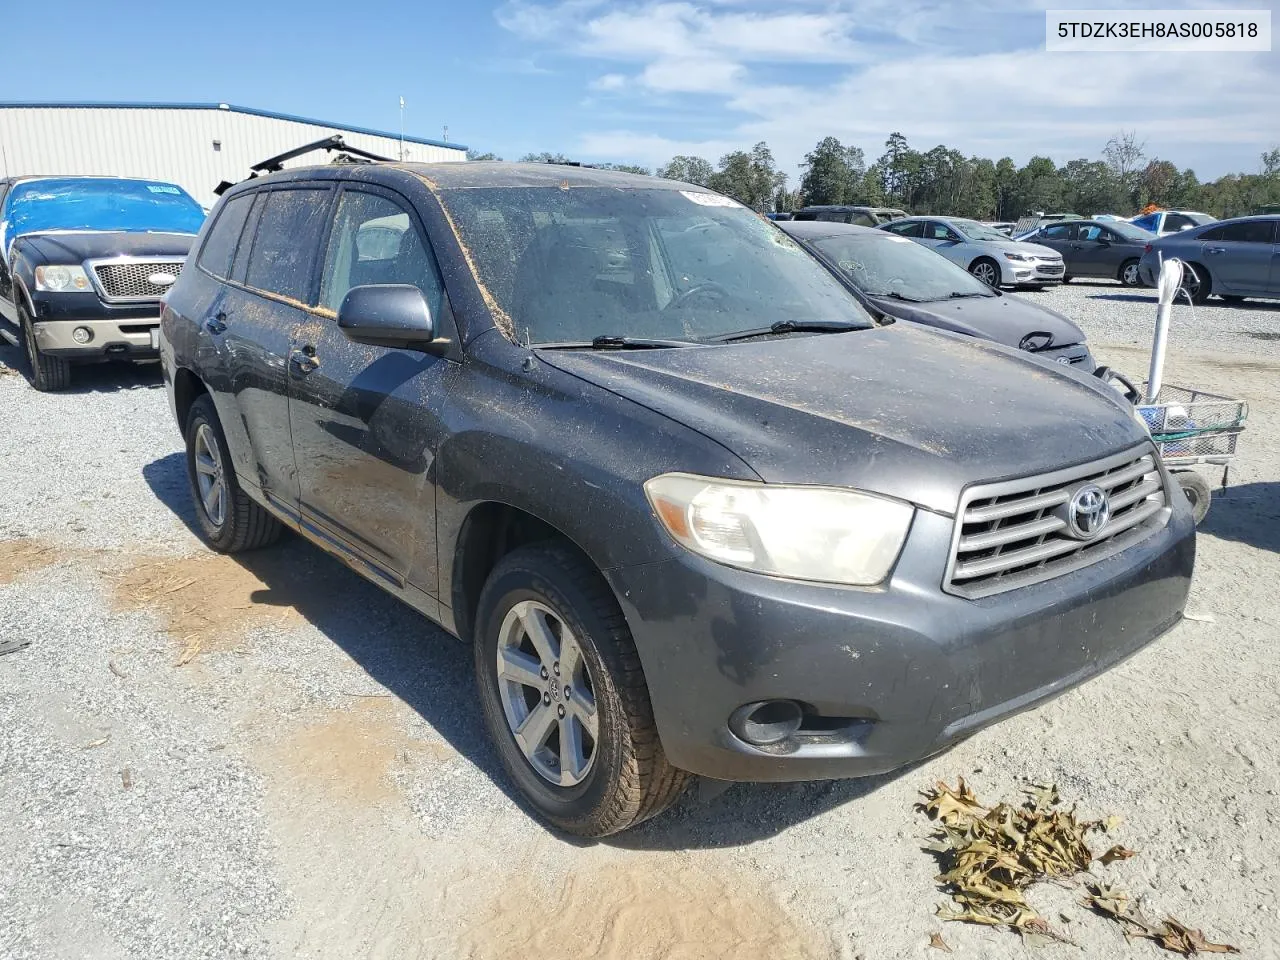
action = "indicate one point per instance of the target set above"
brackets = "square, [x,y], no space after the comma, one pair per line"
[772,721]
[81,334]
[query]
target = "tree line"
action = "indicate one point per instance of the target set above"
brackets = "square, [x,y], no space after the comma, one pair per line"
[1122,180]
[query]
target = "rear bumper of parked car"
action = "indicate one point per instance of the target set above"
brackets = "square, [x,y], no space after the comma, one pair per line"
[888,675]
[80,325]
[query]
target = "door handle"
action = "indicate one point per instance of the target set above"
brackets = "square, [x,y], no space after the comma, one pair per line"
[1215,250]
[217,323]
[304,360]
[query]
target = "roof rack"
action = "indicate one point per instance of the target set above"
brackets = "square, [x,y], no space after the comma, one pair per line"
[345,153]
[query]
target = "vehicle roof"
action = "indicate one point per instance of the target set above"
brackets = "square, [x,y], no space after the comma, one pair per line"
[821,229]
[471,174]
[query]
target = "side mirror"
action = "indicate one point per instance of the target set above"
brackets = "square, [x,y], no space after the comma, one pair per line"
[387,315]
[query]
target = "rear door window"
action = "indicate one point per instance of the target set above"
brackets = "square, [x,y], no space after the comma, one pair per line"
[283,254]
[1250,231]
[375,240]
[219,250]
[914,228]
[1173,222]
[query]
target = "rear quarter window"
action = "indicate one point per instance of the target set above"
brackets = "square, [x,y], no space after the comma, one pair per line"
[219,250]
[283,257]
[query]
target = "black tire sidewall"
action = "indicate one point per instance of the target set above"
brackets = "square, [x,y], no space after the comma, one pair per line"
[1137,279]
[987,260]
[219,537]
[1197,491]
[1204,284]
[512,582]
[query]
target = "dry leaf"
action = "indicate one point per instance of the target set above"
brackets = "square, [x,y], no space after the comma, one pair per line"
[1117,853]
[96,743]
[126,778]
[936,941]
[111,665]
[1182,939]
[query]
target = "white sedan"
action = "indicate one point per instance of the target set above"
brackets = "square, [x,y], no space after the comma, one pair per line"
[986,253]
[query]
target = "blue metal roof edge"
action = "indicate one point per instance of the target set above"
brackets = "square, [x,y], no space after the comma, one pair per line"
[252,111]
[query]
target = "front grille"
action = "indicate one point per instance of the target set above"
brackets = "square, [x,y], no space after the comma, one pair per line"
[1052,269]
[129,279]
[1016,533]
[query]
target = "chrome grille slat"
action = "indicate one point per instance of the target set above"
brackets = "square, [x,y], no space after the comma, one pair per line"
[1012,533]
[128,280]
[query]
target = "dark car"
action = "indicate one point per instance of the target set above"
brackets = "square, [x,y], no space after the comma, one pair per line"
[696,512]
[1110,250]
[911,282]
[1232,259]
[83,264]
[862,216]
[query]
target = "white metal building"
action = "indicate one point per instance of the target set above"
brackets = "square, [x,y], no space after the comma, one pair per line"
[195,145]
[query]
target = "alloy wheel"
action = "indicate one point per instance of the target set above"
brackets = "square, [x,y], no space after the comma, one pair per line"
[1130,275]
[547,693]
[209,475]
[986,272]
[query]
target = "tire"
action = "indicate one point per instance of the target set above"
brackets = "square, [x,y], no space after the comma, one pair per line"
[1128,274]
[986,270]
[236,523]
[47,373]
[1196,282]
[1067,278]
[626,779]
[1198,492]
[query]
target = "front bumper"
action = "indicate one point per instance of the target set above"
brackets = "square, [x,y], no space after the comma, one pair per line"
[127,339]
[1017,272]
[887,675]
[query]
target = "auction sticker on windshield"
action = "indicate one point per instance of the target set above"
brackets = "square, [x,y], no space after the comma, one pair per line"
[709,199]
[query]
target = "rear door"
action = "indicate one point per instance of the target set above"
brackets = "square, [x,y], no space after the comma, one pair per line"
[1240,256]
[367,420]
[253,324]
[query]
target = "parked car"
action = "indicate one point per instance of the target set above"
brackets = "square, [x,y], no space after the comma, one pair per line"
[695,510]
[1164,222]
[988,254]
[780,215]
[910,282]
[1110,249]
[1232,259]
[862,216]
[83,264]
[1001,226]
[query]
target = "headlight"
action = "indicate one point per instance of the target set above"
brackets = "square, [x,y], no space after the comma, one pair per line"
[806,533]
[1020,257]
[62,278]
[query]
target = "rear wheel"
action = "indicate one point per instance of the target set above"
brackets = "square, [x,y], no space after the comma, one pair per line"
[229,521]
[1195,281]
[986,270]
[47,373]
[564,696]
[1129,275]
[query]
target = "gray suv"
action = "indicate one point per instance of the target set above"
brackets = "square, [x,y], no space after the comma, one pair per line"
[695,510]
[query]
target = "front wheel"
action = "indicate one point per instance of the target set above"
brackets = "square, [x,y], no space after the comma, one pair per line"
[47,373]
[1129,275]
[1198,492]
[986,270]
[564,696]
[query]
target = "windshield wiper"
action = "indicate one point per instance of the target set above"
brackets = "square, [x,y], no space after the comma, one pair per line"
[794,326]
[612,342]
[960,295]
[895,295]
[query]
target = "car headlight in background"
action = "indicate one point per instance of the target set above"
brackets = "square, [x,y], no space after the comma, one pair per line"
[1019,257]
[62,278]
[807,533]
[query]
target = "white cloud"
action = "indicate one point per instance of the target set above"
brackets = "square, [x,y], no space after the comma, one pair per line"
[974,76]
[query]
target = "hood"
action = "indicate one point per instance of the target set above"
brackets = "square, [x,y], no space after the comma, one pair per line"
[1004,319]
[1024,246]
[92,245]
[900,410]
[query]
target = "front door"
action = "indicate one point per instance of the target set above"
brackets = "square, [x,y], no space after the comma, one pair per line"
[367,420]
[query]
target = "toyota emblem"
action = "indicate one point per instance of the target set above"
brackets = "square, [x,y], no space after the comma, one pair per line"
[1088,511]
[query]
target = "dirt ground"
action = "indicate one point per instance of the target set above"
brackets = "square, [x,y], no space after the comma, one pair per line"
[267,757]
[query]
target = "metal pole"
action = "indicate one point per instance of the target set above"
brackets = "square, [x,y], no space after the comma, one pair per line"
[1168,285]
[402,129]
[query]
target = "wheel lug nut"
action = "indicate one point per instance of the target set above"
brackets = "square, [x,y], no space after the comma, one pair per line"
[546,698]
[556,667]
[560,712]
[543,671]
[568,691]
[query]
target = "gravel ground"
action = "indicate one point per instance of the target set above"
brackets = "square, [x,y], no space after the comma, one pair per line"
[269,758]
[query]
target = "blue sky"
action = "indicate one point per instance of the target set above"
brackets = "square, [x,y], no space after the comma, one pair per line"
[637,81]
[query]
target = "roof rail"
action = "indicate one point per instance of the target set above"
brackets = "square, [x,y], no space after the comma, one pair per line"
[345,153]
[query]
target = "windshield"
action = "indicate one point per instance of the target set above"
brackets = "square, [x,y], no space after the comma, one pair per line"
[78,203]
[977,231]
[888,266]
[1129,231]
[573,264]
